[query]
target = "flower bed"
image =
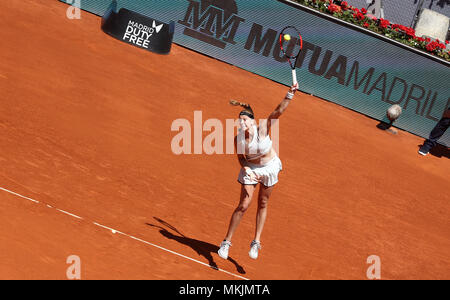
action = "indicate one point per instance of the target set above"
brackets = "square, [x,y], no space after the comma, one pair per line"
[400,33]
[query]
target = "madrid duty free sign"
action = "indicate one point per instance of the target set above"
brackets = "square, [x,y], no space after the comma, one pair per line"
[138,30]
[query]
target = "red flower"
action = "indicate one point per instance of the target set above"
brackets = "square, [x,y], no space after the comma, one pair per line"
[401,27]
[366,24]
[358,16]
[433,45]
[410,32]
[430,47]
[420,39]
[332,8]
[446,42]
[384,23]
[364,11]
[344,5]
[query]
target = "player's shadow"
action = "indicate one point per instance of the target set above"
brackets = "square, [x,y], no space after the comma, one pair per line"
[202,248]
[439,151]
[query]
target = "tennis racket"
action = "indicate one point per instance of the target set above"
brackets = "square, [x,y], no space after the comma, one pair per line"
[291,44]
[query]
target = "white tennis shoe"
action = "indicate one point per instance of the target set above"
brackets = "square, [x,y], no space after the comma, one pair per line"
[224,248]
[255,246]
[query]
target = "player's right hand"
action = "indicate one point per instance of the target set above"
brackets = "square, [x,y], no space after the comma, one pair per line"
[294,87]
[251,174]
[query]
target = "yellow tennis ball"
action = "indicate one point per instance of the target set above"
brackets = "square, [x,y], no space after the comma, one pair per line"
[287,37]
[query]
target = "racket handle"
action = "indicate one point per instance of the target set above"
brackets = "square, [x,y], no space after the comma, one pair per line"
[294,77]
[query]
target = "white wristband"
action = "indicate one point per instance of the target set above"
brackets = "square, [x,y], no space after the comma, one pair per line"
[290,95]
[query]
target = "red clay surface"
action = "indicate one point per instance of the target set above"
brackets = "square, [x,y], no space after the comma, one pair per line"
[85,127]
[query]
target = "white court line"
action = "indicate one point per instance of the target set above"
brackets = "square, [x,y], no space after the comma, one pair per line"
[130,236]
[19,195]
[170,251]
[67,213]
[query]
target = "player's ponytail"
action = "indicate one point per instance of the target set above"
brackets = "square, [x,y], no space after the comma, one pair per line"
[247,109]
[237,103]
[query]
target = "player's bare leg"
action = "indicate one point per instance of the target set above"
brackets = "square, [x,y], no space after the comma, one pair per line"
[245,200]
[261,215]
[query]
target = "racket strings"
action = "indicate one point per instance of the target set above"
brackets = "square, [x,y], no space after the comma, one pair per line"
[292,45]
[290,48]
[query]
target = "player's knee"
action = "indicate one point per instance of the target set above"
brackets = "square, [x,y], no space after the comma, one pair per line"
[263,202]
[242,208]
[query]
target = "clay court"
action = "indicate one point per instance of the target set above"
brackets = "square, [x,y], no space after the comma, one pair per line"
[85,130]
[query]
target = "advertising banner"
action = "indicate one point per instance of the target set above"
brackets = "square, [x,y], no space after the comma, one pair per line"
[138,30]
[339,63]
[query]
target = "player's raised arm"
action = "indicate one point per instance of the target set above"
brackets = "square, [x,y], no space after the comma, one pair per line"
[282,106]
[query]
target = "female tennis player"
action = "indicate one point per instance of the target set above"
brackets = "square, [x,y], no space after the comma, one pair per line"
[260,164]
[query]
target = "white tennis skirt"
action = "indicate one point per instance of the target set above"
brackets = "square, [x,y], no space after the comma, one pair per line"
[268,172]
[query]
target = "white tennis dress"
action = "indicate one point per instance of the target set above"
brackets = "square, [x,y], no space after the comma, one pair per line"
[268,172]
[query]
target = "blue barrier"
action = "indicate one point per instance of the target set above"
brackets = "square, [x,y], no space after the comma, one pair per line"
[340,63]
